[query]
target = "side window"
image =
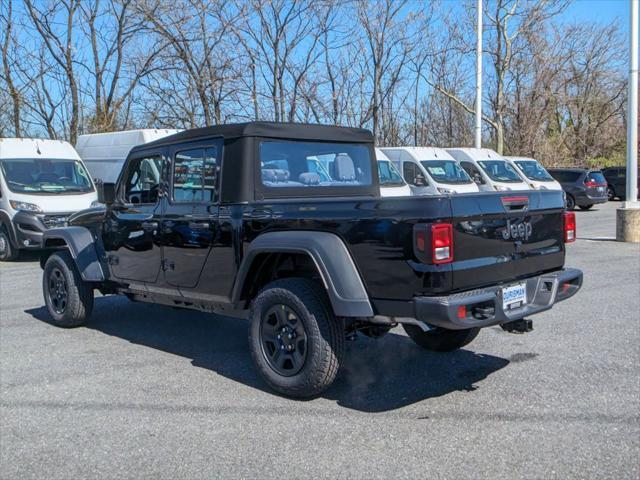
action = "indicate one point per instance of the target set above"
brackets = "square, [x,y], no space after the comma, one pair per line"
[473,172]
[409,172]
[195,175]
[143,180]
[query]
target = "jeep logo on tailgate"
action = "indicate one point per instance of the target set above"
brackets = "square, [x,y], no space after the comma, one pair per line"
[517,231]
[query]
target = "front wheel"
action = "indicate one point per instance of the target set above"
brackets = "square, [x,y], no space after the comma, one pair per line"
[296,341]
[69,299]
[7,251]
[585,207]
[440,339]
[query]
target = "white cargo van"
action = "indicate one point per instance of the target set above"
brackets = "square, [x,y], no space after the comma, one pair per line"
[105,153]
[430,171]
[42,182]
[535,174]
[391,182]
[488,169]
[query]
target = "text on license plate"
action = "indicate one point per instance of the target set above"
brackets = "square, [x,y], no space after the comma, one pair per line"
[514,296]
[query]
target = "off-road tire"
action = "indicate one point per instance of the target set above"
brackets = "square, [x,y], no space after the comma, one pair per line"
[585,207]
[325,336]
[8,252]
[571,203]
[441,339]
[79,294]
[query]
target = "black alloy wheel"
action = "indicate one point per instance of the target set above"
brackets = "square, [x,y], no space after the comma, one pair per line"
[284,340]
[58,294]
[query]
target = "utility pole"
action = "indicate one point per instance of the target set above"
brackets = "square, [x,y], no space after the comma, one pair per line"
[478,141]
[628,217]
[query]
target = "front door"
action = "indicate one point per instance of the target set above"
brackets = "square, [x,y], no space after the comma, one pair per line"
[190,222]
[132,231]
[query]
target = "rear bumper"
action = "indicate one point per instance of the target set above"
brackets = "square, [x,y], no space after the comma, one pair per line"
[483,307]
[585,199]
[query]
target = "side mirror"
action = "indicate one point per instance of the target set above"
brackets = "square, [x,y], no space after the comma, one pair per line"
[106,192]
[419,181]
[477,178]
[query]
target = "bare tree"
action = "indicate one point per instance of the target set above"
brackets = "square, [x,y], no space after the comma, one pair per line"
[60,45]
[8,61]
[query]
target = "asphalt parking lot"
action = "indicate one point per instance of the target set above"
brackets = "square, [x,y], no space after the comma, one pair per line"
[147,391]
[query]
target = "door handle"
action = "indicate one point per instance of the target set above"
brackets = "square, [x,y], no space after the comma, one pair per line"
[149,225]
[199,225]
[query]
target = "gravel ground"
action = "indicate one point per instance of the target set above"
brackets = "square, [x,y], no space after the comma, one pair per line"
[147,391]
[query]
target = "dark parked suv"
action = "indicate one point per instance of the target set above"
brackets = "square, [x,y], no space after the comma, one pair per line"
[583,187]
[616,182]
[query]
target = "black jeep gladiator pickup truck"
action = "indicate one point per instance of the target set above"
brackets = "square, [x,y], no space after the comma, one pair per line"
[284,224]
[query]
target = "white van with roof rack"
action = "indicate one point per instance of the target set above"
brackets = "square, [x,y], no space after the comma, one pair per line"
[391,182]
[430,171]
[42,182]
[488,169]
[535,174]
[105,153]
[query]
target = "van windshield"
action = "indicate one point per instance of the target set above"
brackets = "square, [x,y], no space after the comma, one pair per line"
[446,171]
[534,171]
[388,174]
[45,176]
[500,171]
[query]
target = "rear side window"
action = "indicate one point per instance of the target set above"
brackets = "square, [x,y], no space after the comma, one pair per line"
[565,176]
[195,175]
[291,164]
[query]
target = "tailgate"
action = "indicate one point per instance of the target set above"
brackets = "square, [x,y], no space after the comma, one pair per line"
[504,237]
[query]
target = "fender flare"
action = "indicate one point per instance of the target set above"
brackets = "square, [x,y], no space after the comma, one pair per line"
[339,274]
[82,247]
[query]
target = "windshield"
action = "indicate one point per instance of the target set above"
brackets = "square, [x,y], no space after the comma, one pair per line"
[500,171]
[314,164]
[533,170]
[49,176]
[388,174]
[446,171]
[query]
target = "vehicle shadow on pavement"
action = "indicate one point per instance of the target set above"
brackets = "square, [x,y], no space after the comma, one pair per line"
[377,375]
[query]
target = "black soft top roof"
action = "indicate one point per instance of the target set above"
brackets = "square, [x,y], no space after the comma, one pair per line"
[294,131]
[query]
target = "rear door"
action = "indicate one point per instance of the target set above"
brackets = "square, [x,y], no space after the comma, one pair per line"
[596,184]
[501,238]
[190,221]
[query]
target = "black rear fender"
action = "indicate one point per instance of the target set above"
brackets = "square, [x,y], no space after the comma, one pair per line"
[330,259]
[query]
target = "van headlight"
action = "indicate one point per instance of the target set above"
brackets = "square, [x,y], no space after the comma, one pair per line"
[96,203]
[446,191]
[25,207]
[500,188]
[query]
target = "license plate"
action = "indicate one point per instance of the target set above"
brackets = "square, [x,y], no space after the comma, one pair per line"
[514,296]
[600,189]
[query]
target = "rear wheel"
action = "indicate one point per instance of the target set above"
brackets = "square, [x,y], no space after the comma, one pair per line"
[571,203]
[585,207]
[441,339]
[296,341]
[69,299]
[611,194]
[7,251]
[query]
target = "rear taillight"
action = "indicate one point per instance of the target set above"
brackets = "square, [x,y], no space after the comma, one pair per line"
[434,243]
[442,242]
[593,184]
[569,227]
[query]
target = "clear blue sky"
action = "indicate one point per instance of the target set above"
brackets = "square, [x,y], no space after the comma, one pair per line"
[601,11]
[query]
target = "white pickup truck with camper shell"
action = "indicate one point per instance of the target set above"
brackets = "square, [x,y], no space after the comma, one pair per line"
[105,153]
[42,182]
[490,171]
[430,171]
